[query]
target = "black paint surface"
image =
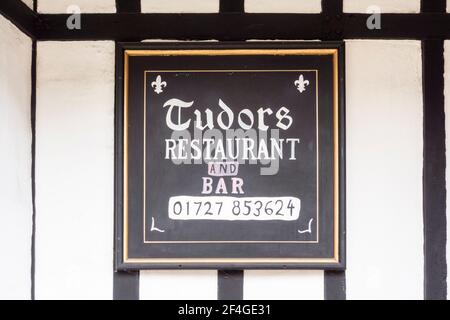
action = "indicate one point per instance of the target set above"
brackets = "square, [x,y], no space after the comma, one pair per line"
[309,178]
[238,90]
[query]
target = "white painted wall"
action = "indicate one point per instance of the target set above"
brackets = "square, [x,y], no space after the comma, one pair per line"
[177,6]
[86,6]
[15,163]
[178,285]
[284,285]
[384,162]
[386,6]
[75,170]
[384,170]
[283,6]
[447,129]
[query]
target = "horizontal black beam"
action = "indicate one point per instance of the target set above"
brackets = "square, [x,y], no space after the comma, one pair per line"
[242,26]
[20,15]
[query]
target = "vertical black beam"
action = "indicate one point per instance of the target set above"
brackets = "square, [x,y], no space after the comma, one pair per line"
[335,284]
[332,20]
[231,6]
[33,167]
[33,163]
[125,284]
[434,164]
[128,6]
[230,285]
[332,7]
[433,6]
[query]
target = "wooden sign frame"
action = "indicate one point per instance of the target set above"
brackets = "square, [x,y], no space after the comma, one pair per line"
[130,254]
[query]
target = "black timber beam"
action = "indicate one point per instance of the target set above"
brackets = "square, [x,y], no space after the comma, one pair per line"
[434,162]
[128,6]
[242,26]
[20,15]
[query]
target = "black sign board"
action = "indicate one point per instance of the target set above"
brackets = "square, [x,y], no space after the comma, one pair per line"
[230,156]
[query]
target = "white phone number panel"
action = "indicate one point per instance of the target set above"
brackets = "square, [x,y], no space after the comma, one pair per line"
[232,209]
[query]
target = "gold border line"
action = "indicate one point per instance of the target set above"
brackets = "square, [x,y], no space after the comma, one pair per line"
[231,52]
[218,52]
[232,260]
[125,162]
[336,153]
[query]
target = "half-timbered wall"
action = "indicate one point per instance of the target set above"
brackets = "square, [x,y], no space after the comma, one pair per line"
[69,255]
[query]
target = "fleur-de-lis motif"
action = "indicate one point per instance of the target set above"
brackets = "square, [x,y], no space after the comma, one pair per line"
[159,85]
[301,83]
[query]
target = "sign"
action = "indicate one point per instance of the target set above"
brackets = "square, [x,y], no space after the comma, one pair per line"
[230,156]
